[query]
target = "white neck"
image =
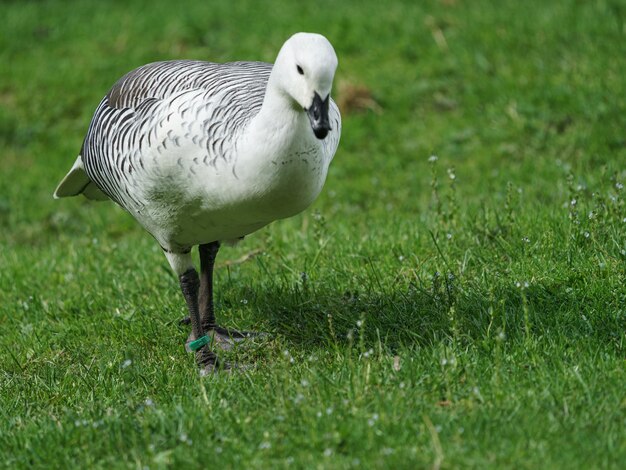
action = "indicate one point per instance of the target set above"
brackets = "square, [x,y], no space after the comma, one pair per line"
[268,163]
[278,128]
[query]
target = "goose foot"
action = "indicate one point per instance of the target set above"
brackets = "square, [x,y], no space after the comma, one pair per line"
[207,360]
[209,363]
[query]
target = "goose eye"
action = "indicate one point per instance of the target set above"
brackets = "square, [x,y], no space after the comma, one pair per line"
[300,71]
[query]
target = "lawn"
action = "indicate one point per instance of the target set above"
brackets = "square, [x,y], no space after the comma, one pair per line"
[455,298]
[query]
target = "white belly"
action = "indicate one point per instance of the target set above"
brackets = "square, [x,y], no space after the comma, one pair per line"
[187,203]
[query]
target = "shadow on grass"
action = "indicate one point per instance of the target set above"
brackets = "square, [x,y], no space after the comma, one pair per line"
[406,317]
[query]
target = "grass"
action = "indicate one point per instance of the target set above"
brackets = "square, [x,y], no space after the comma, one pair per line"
[467,310]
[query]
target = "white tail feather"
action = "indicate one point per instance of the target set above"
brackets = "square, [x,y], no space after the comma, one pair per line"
[77,182]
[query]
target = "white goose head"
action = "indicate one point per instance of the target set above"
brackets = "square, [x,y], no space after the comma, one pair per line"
[304,71]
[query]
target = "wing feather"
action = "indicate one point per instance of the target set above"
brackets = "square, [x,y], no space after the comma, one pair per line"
[130,116]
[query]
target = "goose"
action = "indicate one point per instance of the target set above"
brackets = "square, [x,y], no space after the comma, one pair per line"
[203,153]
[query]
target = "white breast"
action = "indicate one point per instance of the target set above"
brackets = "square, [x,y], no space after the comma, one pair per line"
[270,176]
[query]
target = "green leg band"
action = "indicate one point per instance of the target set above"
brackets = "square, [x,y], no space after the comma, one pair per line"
[198,343]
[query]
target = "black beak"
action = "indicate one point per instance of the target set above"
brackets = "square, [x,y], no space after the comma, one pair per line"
[318,115]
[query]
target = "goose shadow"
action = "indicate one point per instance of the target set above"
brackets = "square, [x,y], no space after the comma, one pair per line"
[416,316]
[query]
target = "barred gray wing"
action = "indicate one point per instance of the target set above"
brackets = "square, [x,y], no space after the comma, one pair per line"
[125,123]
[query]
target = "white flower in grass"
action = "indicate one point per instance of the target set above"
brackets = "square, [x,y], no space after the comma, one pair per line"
[433,158]
[265,445]
[619,186]
[329,410]
[587,234]
[328,452]
[372,421]
[126,363]
[477,394]
[288,356]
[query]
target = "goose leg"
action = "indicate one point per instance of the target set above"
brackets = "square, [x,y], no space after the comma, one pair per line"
[189,285]
[208,253]
[224,337]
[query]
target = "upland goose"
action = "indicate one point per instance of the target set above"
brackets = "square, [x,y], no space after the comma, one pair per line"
[201,153]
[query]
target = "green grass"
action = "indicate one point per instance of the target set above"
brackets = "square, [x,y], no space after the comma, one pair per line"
[469,321]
